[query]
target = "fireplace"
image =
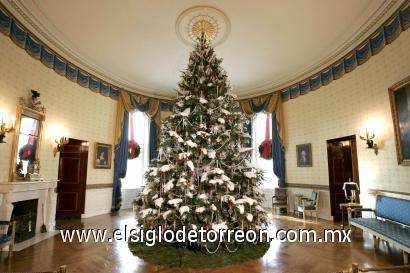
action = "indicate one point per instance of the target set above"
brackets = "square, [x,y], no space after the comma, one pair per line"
[40,213]
[25,215]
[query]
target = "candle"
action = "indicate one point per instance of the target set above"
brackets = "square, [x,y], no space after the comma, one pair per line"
[13,121]
[4,119]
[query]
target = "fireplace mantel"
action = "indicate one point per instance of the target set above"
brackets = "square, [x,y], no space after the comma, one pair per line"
[44,191]
[21,186]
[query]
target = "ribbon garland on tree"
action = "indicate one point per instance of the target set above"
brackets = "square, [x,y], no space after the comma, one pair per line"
[265,148]
[134,148]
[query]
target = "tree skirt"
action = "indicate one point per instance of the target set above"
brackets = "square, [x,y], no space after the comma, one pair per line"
[170,255]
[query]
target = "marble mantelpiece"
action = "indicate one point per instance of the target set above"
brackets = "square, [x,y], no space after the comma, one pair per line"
[44,191]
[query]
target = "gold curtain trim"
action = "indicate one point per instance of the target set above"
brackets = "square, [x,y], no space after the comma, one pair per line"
[273,105]
[124,104]
[118,121]
[246,109]
[125,99]
[153,108]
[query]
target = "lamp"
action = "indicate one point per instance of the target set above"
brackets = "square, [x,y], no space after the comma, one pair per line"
[60,143]
[350,188]
[369,138]
[6,125]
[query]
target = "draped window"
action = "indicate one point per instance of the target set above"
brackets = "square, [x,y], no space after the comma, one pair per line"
[136,167]
[258,135]
[270,104]
[130,103]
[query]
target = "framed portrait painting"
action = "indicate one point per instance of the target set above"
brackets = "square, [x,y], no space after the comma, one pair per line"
[304,155]
[400,106]
[102,156]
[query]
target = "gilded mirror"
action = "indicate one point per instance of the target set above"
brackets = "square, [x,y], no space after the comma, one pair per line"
[26,144]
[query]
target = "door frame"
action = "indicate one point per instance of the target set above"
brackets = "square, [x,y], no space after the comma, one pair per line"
[355,166]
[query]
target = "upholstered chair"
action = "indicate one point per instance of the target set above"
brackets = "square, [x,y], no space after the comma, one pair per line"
[310,205]
[5,239]
[280,200]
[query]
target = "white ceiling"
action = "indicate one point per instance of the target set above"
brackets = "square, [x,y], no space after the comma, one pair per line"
[133,43]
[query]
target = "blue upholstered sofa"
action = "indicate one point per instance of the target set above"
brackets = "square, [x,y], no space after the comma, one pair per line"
[392,222]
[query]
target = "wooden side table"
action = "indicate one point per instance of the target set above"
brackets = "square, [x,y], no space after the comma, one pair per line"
[348,207]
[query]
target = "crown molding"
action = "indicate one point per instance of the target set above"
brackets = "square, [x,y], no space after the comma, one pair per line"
[372,24]
[29,21]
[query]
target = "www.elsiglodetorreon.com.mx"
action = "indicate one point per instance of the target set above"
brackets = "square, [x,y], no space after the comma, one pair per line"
[151,236]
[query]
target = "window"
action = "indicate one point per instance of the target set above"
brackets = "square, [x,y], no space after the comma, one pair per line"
[136,167]
[258,135]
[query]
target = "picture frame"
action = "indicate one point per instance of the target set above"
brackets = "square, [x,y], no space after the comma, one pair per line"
[102,156]
[304,155]
[399,95]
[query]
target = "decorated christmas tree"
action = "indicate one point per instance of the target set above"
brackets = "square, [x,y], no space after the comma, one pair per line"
[202,176]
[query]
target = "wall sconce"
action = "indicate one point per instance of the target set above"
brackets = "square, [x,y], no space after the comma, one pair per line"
[369,138]
[60,143]
[6,125]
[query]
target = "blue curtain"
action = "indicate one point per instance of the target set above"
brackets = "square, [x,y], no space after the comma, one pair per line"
[278,152]
[153,131]
[120,164]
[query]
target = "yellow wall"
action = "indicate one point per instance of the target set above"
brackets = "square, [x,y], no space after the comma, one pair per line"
[84,114]
[341,109]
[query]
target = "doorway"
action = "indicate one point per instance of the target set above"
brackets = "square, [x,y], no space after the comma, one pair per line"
[72,175]
[343,167]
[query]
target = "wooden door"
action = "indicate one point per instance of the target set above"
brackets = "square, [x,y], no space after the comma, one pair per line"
[72,175]
[342,164]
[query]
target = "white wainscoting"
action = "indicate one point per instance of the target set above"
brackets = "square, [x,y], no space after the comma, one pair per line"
[324,211]
[128,196]
[97,202]
[267,203]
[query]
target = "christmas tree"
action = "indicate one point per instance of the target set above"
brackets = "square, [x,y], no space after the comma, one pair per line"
[202,176]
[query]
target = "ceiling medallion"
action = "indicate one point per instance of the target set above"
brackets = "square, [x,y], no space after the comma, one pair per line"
[202,19]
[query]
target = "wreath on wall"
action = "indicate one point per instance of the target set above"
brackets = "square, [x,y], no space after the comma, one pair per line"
[265,148]
[134,149]
[27,152]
